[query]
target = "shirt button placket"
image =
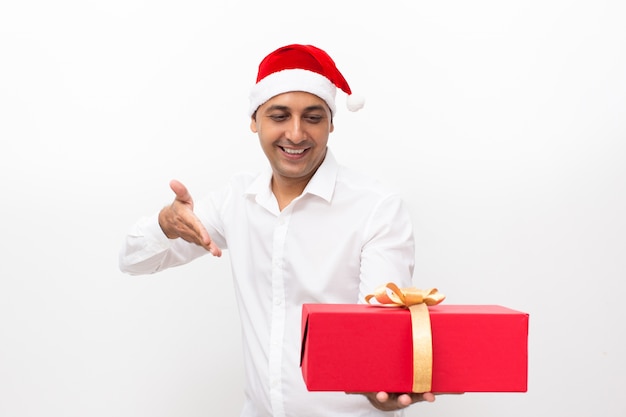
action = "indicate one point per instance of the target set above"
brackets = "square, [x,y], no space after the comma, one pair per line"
[278,315]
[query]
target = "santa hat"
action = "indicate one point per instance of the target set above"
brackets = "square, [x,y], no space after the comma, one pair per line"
[300,68]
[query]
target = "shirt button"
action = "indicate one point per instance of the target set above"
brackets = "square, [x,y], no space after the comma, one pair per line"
[277,301]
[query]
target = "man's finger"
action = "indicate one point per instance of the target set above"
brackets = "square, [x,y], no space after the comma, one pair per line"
[181,191]
[215,250]
[382,396]
[428,396]
[203,237]
[207,243]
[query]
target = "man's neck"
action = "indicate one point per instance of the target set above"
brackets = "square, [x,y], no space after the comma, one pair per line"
[287,189]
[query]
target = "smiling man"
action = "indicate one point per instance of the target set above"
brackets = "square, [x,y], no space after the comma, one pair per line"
[307,230]
[293,129]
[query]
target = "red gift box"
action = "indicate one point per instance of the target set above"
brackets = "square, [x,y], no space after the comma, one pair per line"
[368,348]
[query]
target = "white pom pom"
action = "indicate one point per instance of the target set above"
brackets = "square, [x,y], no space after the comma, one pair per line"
[355,102]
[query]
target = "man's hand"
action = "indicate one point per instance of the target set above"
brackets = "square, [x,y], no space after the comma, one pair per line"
[389,402]
[179,221]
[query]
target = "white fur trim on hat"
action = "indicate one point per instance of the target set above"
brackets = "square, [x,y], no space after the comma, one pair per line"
[292,80]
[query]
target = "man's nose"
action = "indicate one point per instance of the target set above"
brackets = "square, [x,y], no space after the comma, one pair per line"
[295,131]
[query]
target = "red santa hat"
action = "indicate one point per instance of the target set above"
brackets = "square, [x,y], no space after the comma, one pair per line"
[300,68]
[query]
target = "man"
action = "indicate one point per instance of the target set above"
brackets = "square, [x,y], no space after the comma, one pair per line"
[306,231]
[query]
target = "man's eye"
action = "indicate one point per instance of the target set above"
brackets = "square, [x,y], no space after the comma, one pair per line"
[314,119]
[278,117]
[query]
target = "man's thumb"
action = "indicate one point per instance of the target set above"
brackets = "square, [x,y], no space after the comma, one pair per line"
[181,191]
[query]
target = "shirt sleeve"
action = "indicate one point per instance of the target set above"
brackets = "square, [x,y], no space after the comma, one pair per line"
[389,251]
[147,250]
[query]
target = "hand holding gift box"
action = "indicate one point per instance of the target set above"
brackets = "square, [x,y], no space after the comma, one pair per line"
[370,348]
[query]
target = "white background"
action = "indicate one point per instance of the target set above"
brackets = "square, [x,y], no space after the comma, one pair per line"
[502,123]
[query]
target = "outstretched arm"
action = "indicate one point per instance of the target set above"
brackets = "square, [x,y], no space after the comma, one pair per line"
[152,244]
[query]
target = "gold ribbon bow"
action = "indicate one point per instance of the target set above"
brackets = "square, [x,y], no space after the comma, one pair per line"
[417,301]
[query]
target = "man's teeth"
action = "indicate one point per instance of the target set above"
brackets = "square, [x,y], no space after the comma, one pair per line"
[293,151]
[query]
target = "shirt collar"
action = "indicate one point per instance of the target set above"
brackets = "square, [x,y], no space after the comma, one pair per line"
[322,184]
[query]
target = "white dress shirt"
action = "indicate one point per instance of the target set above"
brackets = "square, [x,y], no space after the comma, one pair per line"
[338,241]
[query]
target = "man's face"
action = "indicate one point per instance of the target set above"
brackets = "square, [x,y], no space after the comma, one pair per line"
[293,129]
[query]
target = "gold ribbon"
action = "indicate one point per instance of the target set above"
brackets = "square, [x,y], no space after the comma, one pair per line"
[417,301]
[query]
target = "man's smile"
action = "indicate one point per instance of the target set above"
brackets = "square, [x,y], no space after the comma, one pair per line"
[292,151]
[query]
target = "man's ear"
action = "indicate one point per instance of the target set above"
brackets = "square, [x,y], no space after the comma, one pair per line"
[253,127]
[332,126]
